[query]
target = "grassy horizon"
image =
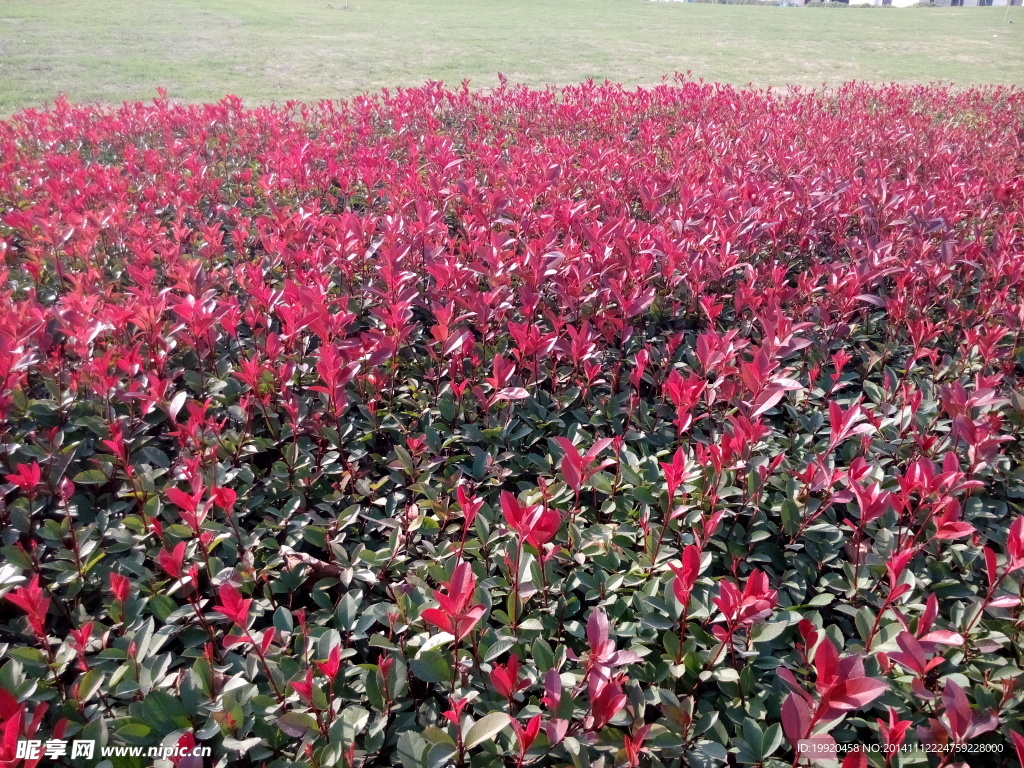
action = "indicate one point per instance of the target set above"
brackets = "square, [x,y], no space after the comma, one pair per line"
[275,50]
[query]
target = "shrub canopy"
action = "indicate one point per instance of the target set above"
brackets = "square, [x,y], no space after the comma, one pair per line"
[660,427]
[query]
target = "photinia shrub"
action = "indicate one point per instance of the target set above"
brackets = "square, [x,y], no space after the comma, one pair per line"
[567,427]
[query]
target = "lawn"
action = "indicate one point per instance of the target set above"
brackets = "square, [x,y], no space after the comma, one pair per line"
[272,50]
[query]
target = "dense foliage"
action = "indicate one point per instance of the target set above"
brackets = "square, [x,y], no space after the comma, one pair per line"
[567,427]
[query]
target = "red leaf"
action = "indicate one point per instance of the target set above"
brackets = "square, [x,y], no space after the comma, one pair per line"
[826,662]
[796,718]
[954,530]
[990,565]
[233,605]
[854,694]
[1018,745]
[958,710]
[511,393]
[945,636]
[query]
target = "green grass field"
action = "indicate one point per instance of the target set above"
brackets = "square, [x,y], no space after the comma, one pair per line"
[272,50]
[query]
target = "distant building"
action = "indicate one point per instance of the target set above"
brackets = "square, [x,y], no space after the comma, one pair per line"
[976,2]
[894,3]
[945,3]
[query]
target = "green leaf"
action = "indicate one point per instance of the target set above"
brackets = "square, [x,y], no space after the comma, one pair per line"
[89,684]
[790,517]
[771,740]
[431,667]
[825,598]
[30,656]
[435,735]
[374,691]
[18,557]
[726,675]
[602,481]
[873,391]
[296,724]
[707,754]
[412,750]
[751,732]
[164,713]
[137,734]
[354,719]
[405,459]
[440,756]
[283,620]
[448,408]
[864,620]
[435,641]
[746,754]
[486,728]
[543,656]
[162,606]
[769,631]
[348,610]
[499,647]
[91,477]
